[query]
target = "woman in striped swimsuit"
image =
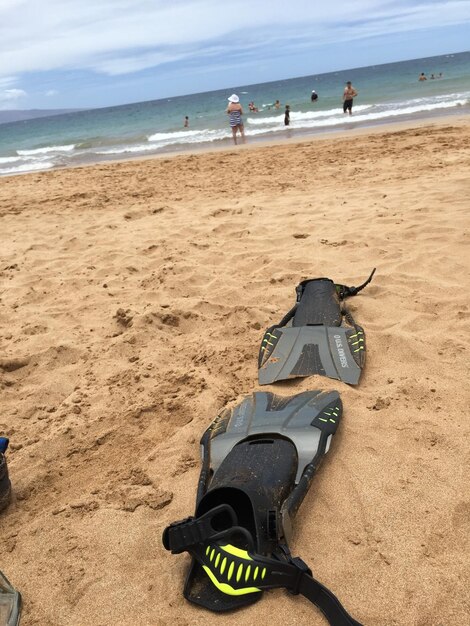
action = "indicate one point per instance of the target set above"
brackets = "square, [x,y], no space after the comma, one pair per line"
[235,113]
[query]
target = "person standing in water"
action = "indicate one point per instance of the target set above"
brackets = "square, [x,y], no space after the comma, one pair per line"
[349,94]
[287,116]
[186,121]
[235,113]
[314,96]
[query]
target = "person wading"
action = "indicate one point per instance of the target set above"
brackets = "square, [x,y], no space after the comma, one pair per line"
[235,112]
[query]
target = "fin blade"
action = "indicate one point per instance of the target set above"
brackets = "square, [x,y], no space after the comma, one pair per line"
[308,350]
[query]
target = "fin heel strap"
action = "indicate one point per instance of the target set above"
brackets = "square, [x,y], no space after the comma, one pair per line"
[326,601]
[201,540]
[191,531]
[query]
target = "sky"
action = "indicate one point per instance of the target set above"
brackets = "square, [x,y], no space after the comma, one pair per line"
[96,53]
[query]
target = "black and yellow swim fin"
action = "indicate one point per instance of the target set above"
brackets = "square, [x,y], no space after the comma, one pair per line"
[259,459]
[317,336]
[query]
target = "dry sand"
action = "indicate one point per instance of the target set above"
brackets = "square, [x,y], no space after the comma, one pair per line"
[133,300]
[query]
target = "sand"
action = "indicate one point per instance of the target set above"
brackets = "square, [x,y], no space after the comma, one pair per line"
[133,300]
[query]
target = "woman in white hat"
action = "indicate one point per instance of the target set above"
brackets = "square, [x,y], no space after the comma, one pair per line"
[235,113]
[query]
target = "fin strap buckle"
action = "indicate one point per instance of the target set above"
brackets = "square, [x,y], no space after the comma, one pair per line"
[302,569]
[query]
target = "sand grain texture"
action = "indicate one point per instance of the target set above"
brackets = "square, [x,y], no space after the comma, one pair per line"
[133,300]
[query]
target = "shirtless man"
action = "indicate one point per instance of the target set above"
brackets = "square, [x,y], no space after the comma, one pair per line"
[348,95]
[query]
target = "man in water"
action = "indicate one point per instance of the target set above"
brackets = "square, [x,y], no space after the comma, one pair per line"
[314,96]
[422,76]
[348,95]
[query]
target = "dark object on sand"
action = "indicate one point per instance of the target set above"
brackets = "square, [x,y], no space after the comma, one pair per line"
[10,603]
[258,462]
[5,485]
[317,336]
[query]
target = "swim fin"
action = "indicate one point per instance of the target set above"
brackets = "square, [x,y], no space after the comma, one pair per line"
[258,461]
[317,336]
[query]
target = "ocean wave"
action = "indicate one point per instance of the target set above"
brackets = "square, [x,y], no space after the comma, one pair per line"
[161,140]
[28,167]
[205,135]
[4,160]
[301,115]
[45,150]
[300,120]
[126,149]
[179,134]
[450,98]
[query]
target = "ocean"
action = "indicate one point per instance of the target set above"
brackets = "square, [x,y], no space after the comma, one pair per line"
[386,93]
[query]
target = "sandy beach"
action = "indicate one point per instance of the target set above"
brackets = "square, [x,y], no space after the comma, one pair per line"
[133,299]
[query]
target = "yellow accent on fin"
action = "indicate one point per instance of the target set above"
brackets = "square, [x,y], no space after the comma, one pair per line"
[247,573]
[208,549]
[228,589]
[217,559]
[230,570]
[240,571]
[242,554]
[224,563]
[263,573]
[255,575]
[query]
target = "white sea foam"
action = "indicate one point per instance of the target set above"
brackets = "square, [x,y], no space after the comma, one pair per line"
[160,140]
[4,160]
[45,150]
[179,134]
[194,136]
[127,149]
[301,115]
[27,167]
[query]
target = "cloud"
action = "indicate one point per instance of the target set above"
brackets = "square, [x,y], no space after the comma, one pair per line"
[126,36]
[7,81]
[51,92]
[8,97]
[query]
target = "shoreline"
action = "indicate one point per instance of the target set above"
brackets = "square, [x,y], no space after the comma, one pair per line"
[301,137]
[305,137]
